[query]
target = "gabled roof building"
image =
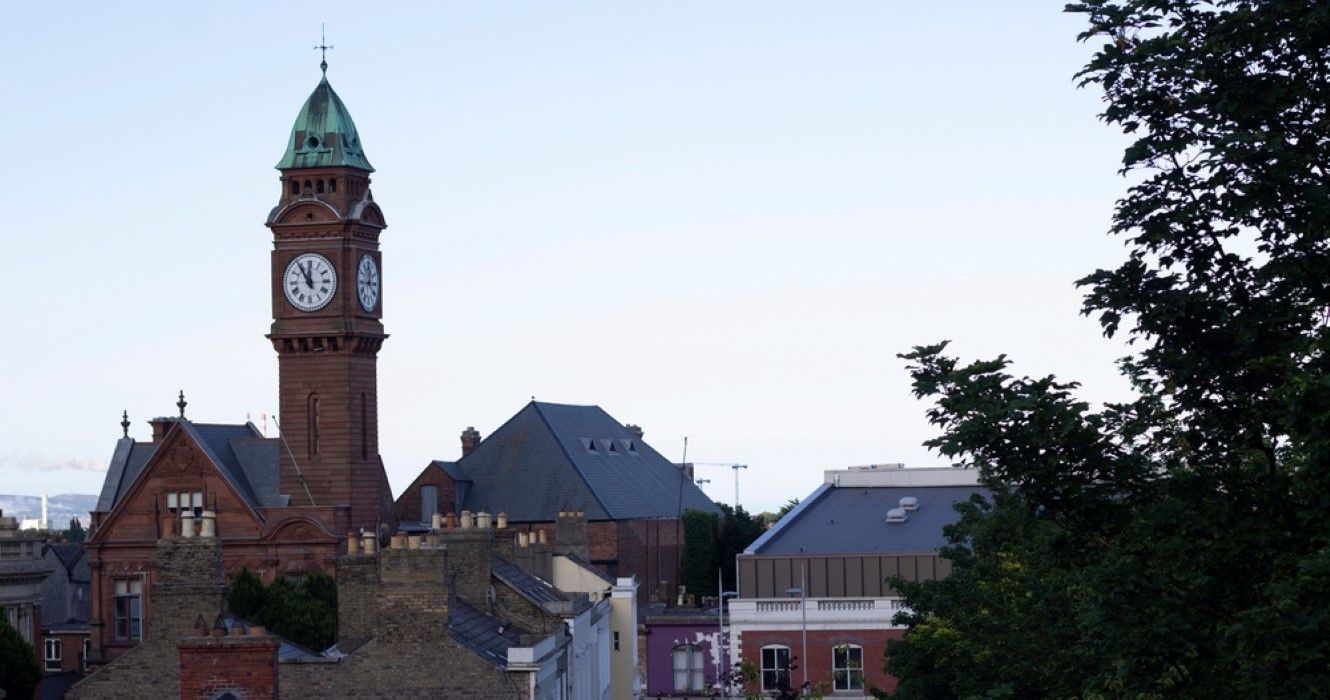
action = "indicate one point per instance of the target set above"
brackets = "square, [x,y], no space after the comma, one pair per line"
[551,461]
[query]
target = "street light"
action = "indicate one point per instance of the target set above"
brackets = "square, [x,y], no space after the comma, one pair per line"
[722,670]
[802,592]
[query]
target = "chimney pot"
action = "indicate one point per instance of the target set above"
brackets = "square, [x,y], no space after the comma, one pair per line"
[541,536]
[483,520]
[436,521]
[466,520]
[523,540]
[397,541]
[352,543]
[209,530]
[413,542]
[450,520]
[470,439]
[503,520]
[367,543]
[187,526]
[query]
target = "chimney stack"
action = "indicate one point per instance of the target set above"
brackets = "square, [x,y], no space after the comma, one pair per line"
[470,438]
[160,426]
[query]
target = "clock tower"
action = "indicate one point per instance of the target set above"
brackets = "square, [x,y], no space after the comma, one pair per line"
[327,306]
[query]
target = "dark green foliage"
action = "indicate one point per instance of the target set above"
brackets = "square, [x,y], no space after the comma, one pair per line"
[699,540]
[738,529]
[75,533]
[711,543]
[19,672]
[305,613]
[245,598]
[1177,545]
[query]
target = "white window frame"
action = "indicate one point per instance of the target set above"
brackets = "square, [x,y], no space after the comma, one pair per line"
[178,501]
[764,669]
[692,667]
[84,653]
[844,677]
[51,654]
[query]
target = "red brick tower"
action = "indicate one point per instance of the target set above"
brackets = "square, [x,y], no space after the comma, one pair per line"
[326,306]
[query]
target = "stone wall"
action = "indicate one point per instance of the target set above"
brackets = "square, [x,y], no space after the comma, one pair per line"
[188,587]
[407,593]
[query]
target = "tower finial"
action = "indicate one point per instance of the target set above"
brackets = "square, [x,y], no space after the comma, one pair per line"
[124,423]
[182,403]
[323,48]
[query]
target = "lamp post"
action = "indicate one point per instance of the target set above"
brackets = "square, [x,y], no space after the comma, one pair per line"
[722,670]
[802,592]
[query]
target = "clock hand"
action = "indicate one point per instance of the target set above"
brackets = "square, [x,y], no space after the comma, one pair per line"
[309,276]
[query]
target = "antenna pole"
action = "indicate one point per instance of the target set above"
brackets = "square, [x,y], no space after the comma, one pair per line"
[300,476]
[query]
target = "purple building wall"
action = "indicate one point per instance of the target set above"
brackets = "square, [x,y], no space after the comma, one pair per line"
[667,631]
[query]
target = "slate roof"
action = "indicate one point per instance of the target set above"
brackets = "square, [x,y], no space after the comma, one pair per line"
[245,458]
[852,520]
[68,553]
[286,649]
[530,587]
[489,637]
[552,457]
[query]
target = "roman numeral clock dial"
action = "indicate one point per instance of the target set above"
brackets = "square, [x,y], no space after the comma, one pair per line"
[367,283]
[310,281]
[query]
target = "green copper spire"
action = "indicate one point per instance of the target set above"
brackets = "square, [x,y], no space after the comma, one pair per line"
[324,135]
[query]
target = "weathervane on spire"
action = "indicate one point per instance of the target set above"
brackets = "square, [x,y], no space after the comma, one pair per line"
[323,48]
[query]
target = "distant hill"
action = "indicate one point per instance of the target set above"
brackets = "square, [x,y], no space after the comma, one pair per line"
[60,508]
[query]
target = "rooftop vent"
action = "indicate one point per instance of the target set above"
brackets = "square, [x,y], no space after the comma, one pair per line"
[875,467]
[909,503]
[896,515]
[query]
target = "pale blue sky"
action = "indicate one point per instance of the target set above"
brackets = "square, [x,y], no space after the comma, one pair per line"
[720,220]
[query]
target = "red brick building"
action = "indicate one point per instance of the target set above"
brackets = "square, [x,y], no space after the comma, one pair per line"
[281,506]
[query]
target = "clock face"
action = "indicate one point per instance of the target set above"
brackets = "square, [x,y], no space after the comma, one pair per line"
[367,283]
[310,281]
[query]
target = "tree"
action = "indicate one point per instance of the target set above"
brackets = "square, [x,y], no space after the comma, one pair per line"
[1178,544]
[305,612]
[738,529]
[711,544]
[699,563]
[75,532]
[19,672]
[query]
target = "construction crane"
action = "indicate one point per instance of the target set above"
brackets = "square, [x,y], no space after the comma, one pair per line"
[731,465]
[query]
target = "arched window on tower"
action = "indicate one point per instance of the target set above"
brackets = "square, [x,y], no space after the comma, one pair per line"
[314,427]
[318,187]
[295,187]
[332,186]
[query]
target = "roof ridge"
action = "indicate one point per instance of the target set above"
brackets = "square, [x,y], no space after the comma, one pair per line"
[568,455]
